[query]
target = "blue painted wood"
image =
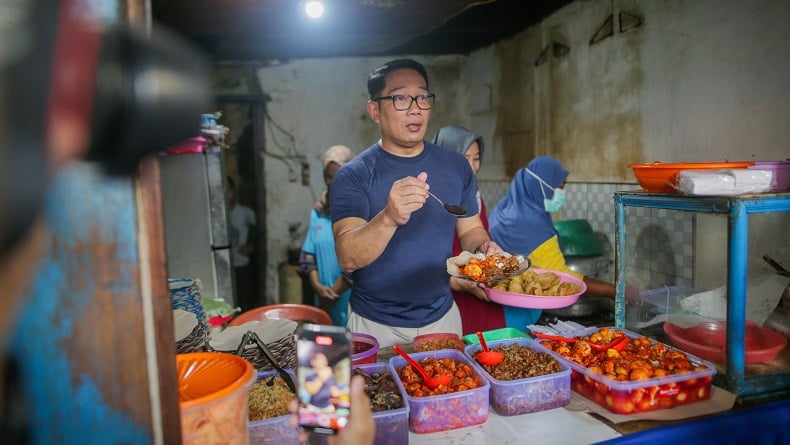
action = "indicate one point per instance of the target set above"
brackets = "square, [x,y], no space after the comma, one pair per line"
[619,242]
[79,339]
[738,250]
[738,209]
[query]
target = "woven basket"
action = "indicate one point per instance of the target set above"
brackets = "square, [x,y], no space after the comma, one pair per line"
[186,296]
[284,350]
[277,335]
[196,341]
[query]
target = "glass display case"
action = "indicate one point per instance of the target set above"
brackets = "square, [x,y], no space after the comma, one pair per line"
[704,274]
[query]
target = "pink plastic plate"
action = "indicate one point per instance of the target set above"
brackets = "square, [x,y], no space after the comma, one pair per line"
[538,301]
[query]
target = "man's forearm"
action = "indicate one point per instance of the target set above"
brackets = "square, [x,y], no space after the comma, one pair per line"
[473,239]
[315,282]
[358,245]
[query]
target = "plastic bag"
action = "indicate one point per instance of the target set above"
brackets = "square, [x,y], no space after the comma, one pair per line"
[723,182]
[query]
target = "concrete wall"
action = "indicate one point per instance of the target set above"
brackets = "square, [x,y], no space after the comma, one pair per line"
[690,81]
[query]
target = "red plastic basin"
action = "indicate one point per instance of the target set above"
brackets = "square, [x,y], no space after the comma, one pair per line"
[708,341]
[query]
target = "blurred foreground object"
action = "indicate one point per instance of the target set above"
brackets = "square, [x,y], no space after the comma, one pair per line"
[73,88]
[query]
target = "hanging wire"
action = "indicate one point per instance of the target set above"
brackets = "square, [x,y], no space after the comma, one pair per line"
[288,149]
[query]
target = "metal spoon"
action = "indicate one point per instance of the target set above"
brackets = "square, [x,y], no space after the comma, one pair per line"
[452,209]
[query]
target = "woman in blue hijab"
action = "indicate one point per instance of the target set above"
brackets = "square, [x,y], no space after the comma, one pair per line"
[521,223]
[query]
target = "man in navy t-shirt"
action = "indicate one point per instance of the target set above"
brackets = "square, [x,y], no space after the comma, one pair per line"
[393,240]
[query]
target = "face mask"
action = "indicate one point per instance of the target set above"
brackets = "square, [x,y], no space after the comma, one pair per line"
[555,203]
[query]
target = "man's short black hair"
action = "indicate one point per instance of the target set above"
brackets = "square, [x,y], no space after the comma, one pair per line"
[376,80]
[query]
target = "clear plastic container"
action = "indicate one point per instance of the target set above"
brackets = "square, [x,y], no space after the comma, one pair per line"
[392,427]
[276,430]
[364,341]
[439,340]
[513,397]
[494,335]
[781,171]
[629,397]
[448,411]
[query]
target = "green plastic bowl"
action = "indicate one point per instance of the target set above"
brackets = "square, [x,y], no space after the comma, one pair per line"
[577,238]
[494,335]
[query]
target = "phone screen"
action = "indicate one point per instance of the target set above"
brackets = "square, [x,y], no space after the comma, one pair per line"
[324,375]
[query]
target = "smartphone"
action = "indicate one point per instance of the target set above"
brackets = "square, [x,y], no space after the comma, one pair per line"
[323,372]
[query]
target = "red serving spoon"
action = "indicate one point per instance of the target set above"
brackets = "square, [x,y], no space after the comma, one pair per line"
[427,380]
[618,344]
[486,357]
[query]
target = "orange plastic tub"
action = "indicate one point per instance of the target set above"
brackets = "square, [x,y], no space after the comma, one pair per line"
[658,177]
[213,388]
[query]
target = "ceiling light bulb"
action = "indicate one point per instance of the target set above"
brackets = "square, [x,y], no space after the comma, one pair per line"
[314,9]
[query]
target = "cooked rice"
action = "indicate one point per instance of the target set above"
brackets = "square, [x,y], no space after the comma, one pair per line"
[269,401]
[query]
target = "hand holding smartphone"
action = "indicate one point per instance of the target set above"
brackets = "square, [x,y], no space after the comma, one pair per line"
[323,371]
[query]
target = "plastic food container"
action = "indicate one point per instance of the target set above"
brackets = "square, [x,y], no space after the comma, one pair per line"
[629,397]
[709,340]
[441,340]
[447,411]
[392,427]
[275,430]
[659,177]
[213,389]
[494,335]
[522,396]
[781,170]
[193,145]
[364,348]
[666,298]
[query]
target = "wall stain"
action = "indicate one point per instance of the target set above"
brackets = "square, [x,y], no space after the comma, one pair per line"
[515,111]
[582,108]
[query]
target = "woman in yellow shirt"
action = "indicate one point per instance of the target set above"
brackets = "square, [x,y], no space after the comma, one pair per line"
[521,223]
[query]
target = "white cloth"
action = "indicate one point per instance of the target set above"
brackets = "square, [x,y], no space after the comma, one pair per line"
[242,219]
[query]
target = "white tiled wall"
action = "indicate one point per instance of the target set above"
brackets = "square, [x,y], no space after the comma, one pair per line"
[659,247]
[591,201]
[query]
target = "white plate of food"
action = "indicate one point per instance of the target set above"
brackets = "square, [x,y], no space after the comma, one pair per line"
[484,268]
[538,289]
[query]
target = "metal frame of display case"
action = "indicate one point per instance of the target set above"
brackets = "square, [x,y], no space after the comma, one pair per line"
[738,209]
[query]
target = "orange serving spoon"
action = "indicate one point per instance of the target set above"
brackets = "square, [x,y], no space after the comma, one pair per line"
[427,380]
[486,357]
[618,343]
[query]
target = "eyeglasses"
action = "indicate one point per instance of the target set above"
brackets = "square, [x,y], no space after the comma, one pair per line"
[402,102]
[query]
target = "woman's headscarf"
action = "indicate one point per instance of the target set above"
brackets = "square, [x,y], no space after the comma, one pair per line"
[519,223]
[458,138]
[340,155]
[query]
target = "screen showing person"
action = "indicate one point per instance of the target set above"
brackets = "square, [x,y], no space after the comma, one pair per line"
[324,374]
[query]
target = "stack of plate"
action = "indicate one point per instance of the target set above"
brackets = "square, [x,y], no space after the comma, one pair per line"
[186,295]
[276,334]
[190,335]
